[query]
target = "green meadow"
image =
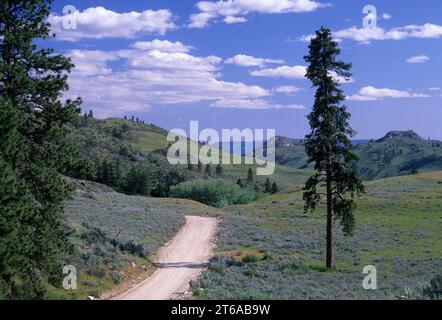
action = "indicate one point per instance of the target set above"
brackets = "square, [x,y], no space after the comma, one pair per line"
[270,249]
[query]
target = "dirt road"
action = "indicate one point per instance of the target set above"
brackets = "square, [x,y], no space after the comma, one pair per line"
[180,261]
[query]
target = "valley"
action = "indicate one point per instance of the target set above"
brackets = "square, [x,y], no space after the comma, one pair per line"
[267,248]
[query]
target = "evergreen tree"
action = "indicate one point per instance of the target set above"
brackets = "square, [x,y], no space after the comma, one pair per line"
[219,170]
[250,175]
[81,168]
[116,177]
[208,170]
[104,172]
[328,145]
[267,186]
[137,182]
[275,188]
[84,120]
[240,183]
[33,125]
[91,114]
[131,181]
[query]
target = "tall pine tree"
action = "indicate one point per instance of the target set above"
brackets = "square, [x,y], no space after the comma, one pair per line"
[33,124]
[328,145]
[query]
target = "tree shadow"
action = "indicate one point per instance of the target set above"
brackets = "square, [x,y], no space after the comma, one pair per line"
[188,265]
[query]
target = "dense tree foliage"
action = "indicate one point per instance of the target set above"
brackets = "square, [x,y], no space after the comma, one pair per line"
[328,145]
[213,192]
[33,124]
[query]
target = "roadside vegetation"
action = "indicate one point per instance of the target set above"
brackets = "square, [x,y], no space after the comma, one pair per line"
[214,192]
[116,236]
[398,231]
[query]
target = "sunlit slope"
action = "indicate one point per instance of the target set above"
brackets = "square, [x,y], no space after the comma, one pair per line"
[398,153]
[272,249]
[115,236]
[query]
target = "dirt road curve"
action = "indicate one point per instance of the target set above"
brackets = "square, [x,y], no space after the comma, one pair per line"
[180,261]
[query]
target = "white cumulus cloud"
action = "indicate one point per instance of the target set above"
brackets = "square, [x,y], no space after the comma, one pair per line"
[365,35]
[233,19]
[295,72]
[162,45]
[100,23]
[418,59]
[386,16]
[92,62]
[256,104]
[290,90]
[372,94]
[243,60]
[234,11]
[144,78]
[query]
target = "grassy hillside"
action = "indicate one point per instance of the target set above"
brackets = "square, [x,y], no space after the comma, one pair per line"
[112,137]
[270,249]
[115,235]
[398,153]
[145,147]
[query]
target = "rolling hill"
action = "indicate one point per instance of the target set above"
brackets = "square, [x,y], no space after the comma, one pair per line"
[398,153]
[144,146]
[269,246]
[271,249]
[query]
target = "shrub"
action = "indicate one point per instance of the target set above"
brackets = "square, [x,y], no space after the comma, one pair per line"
[213,192]
[96,271]
[95,235]
[251,273]
[250,258]
[434,290]
[287,266]
[89,283]
[267,257]
[133,248]
[215,267]
[117,277]
[195,286]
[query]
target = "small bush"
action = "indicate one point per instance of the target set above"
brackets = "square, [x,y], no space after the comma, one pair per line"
[250,258]
[117,277]
[267,257]
[213,192]
[251,273]
[196,290]
[94,236]
[233,263]
[96,271]
[288,266]
[216,267]
[89,283]
[434,290]
[133,248]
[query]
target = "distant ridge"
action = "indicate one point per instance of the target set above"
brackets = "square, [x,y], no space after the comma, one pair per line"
[403,135]
[397,153]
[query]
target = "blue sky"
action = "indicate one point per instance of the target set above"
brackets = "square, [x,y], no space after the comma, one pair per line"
[239,63]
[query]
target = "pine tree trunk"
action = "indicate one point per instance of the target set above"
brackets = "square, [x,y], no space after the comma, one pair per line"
[329,258]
